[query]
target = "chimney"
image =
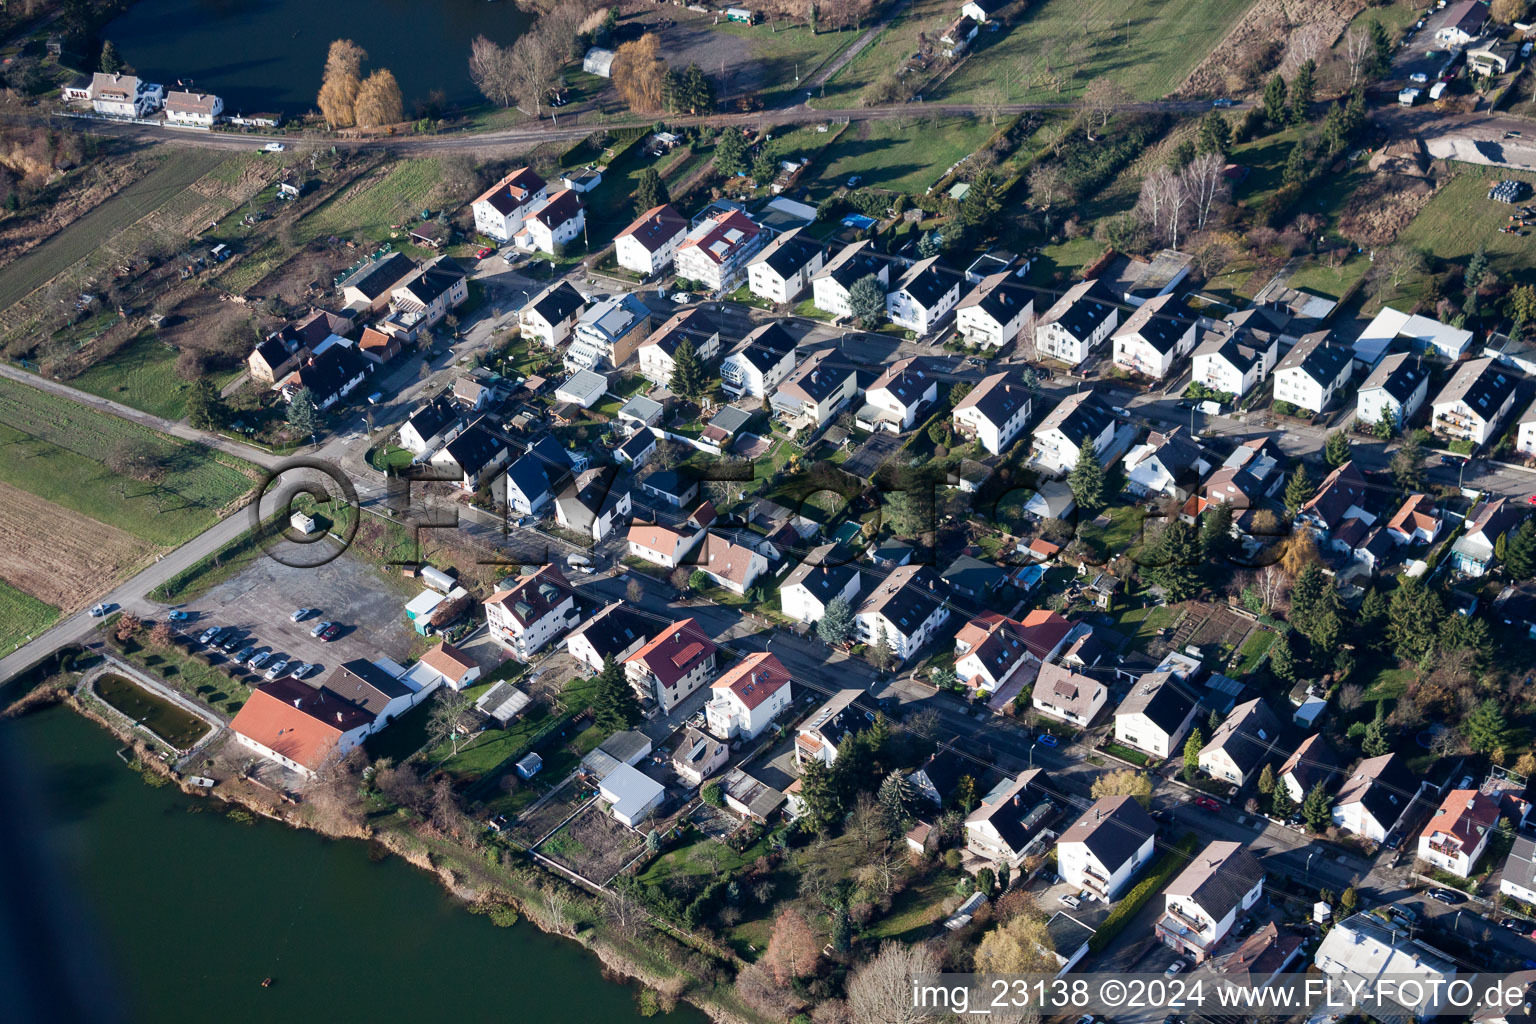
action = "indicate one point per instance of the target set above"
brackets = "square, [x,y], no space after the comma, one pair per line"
[296,701]
[338,716]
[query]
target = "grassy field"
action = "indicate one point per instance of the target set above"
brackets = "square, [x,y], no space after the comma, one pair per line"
[1461,217]
[57,451]
[885,53]
[901,155]
[179,728]
[86,235]
[369,207]
[784,52]
[21,616]
[1148,48]
[141,375]
[609,207]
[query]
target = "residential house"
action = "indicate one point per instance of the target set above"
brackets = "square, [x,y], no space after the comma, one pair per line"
[446,665]
[906,610]
[750,798]
[716,251]
[984,11]
[732,566]
[377,346]
[1471,406]
[535,477]
[377,688]
[1155,337]
[1013,822]
[648,245]
[674,488]
[608,333]
[995,311]
[663,545]
[823,734]
[1233,357]
[551,316]
[631,795]
[329,377]
[896,397]
[616,632]
[121,95]
[815,391]
[1312,372]
[1103,850]
[592,504]
[533,611]
[272,359]
[1342,496]
[1464,22]
[1260,959]
[936,780]
[1079,420]
[1493,56]
[1474,551]
[829,288]
[201,109]
[785,266]
[435,289]
[957,37]
[501,210]
[1310,764]
[1168,463]
[923,296]
[635,451]
[827,573]
[299,726]
[1362,951]
[994,412]
[679,660]
[1155,716]
[1203,904]
[1374,796]
[1242,744]
[1080,320]
[758,365]
[1525,432]
[990,648]
[1458,832]
[1518,879]
[550,227]
[972,577]
[1253,472]
[1421,334]
[1396,387]
[748,697]
[424,427]
[1416,522]
[1068,696]
[369,288]
[699,755]
[472,456]
[658,353]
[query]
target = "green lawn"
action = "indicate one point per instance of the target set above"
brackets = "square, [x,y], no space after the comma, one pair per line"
[1142,624]
[1253,650]
[1332,282]
[904,155]
[609,206]
[1461,217]
[368,208]
[173,665]
[1149,48]
[783,51]
[142,375]
[21,616]
[701,856]
[58,451]
[179,728]
[1065,260]
[914,910]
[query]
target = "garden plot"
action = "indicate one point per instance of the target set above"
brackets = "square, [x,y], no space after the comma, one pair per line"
[593,845]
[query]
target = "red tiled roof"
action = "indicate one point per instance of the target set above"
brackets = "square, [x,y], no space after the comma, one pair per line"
[755,679]
[537,593]
[298,721]
[1465,814]
[664,657]
[655,227]
[448,660]
[512,191]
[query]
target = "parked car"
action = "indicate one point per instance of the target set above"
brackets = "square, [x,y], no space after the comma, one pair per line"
[209,634]
[1445,896]
[260,658]
[303,669]
[98,610]
[331,633]
[681,298]
[1045,739]
[1067,899]
[482,252]
[320,627]
[277,668]
[1418,77]
[300,614]
[1223,102]
[176,615]
[853,182]
[231,639]
[1205,803]
[274,147]
[245,652]
[1174,968]
[1513,924]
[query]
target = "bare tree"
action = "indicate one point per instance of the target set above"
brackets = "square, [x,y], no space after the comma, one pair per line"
[1047,183]
[1205,182]
[1395,262]
[557,904]
[1351,696]
[534,65]
[447,714]
[866,822]
[792,948]
[339,84]
[1164,199]
[1357,51]
[990,102]
[493,71]
[1102,98]
[880,992]
[639,74]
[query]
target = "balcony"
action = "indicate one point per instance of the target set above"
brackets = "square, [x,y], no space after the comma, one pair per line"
[1450,850]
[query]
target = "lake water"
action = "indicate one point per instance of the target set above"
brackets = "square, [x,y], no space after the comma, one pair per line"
[192,910]
[268,54]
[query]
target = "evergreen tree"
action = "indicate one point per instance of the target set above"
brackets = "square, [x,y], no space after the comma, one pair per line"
[653,842]
[896,799]
[1298,164]
[650,191]
[1477,269]
[1215,135]
[1467,633]
[1408,464]
[695,91]
[614,704]
[1373,613]
[1298,491]
[765,168]
[965,793]
[1216,540]
[1386,427]
[1317,808]
[1087,479]
[1175,562]
[818,791]
[882,654]
[687,379]
[205,409]
[1520,554]
[1376,741]
[1303,86]
[866,300]
[1413,619]
[1192,753]
[1267,780]
[731,152]
[982,200]
[1336,449]
[1282,806]
[1213,721]
[111,63]
[1485,727]
[1274,101]
[1381,51]
[836,623]
[301,412]
[1282,660]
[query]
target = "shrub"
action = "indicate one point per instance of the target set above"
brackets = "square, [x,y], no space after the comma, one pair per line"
[1132,902]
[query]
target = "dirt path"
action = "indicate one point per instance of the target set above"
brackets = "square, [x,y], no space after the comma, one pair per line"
[826,73]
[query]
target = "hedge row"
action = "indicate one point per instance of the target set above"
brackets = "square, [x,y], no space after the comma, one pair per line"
[1172,862]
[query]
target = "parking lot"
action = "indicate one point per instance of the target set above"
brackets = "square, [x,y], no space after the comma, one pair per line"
[261,599]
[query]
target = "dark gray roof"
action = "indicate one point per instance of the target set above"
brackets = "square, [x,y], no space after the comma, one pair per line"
[927,284]
[972,575]
[1218,878]
[1399,375]
[327,373]
[766,346]
[999,298]
[1113,829]
[1317,357]
[788,255]
[825,571]
[366,685]
[640,442]
[436,279]
[909,595]
[998,397]
[431,418]
[613,630]
[530,474]
[1382,785]
[1161,322]
[558,303]
[380,276]
[474,447]
[1095,305]
[1079,416]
